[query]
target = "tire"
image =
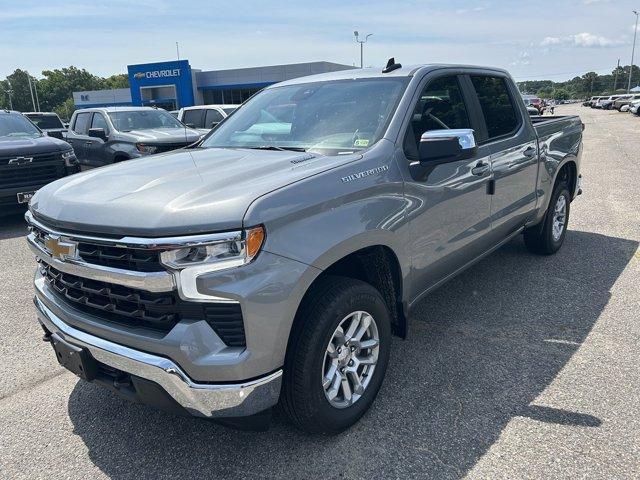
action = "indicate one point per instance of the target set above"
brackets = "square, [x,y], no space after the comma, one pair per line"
[541,239]
[307,363]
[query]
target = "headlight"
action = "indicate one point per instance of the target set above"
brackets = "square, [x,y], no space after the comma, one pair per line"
[146,149]
[189,262]
[69,158]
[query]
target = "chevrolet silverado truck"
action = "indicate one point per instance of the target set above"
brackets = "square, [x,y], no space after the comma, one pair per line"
[102,136]
[28,160]
[271,263]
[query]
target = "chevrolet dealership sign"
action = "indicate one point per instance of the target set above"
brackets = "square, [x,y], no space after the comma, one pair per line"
[175,72]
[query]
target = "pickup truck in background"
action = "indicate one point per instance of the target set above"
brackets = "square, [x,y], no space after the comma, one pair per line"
[204,117]
[49,123]
[274,260]
[28,160]
[101,136]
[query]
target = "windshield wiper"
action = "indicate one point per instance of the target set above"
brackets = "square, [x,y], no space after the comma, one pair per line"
[277,147]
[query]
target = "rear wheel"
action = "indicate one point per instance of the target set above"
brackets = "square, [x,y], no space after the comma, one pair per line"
[547,237]
[337,356]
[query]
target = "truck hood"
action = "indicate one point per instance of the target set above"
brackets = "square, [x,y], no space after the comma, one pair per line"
[12,146]
[165,135]
[179,193]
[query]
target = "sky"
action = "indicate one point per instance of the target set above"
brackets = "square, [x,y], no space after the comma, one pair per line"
[534,40]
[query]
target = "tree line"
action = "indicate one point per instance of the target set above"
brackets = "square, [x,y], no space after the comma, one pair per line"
[54,91]
[583,87]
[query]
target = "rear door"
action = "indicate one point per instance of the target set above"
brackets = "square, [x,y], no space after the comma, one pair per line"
[449,204]
[514,152]
[78,135]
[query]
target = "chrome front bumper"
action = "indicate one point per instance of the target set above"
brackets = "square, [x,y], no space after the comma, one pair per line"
[199,399]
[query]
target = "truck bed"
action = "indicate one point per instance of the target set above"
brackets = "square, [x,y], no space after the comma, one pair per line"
[546,125]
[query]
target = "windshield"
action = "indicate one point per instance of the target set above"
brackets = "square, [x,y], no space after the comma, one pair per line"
[339,116]
[15,125]
[228,110]
[128,120]
[45,121]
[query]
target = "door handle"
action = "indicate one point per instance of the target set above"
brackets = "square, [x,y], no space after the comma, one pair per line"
[529,152]
[480,168]
[88,143]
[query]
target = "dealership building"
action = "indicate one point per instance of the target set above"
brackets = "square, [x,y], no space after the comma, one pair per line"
[172,85]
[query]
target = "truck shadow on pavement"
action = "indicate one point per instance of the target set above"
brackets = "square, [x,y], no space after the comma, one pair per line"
[12,226]
[480,351]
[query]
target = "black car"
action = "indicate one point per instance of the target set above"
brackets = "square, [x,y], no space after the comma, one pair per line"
[48,122]
[28,160]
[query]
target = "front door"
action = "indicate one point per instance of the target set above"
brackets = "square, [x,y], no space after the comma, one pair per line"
[95,151]
[449,205]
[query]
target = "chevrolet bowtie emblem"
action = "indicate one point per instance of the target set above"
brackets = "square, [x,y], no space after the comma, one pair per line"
[60,249]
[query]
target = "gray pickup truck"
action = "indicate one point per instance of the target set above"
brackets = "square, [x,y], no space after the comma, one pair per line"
[272,262]
[101,136]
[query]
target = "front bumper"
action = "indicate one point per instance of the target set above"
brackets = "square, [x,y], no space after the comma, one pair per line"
[200,399]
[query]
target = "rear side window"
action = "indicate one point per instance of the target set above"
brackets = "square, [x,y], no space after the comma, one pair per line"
[81,124]
[497,105]
[212,118]
[194,118]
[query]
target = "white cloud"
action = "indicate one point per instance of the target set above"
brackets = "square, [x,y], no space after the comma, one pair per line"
[584,40]
[524,58]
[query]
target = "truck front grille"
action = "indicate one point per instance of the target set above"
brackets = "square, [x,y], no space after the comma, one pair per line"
[139,308]
[30,174]
[138,260]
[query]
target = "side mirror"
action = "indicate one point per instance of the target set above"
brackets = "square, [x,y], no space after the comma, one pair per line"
[98,133]
[443,146]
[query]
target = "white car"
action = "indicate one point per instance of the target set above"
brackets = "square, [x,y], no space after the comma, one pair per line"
[204,117]
[634,107]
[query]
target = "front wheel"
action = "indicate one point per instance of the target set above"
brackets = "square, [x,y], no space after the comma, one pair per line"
[547,237]
[337,356]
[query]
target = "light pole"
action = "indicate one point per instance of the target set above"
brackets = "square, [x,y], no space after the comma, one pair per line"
[633,51]
[361,42]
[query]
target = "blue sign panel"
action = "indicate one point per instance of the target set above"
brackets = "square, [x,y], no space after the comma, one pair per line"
[162,83]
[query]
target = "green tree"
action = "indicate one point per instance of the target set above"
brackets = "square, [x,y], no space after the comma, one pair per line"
[119,80]
[18,83]
[58,85]
[560,94]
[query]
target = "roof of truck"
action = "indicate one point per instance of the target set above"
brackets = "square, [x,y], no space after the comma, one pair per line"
[376,72]
[115,109]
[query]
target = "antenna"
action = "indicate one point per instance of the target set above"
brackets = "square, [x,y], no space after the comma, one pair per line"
[177,51]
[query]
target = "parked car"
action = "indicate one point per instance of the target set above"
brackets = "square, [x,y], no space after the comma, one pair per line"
[101,136]
[205,117]
[28,160]
[535,102]
[533,111]
[624,101]
[48,122]
[634,108]
[274,260]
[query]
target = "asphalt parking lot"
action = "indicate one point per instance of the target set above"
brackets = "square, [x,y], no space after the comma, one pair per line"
[522,367]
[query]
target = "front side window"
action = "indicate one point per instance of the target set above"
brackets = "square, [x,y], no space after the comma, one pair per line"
[99,122]
[440,107]
[337,116]
[194,118]
[81,125]
[497,106]
[212,118]
[15,125]
[128,120]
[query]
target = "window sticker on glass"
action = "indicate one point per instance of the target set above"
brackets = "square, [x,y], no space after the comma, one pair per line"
[361,142]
